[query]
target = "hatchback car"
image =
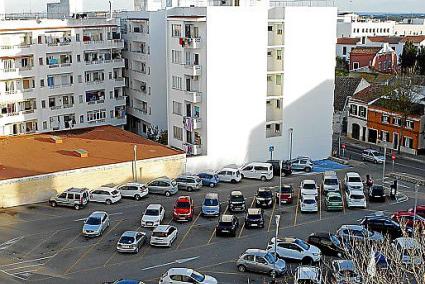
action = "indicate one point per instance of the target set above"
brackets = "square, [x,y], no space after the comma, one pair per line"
[153,216]
[254,218]
[261,171]
[188,183]
[211,205]
[183,209]
[264,197]
[105,195]
[329,244]
[236,202]
[229,175]
[333,201]
[295,250]
[408,250]
[185,275]
[96,224]
[131,241]
[280,167]
[285,194]
[353,182]
[373,156]
[345,271]
[308,203]
[383,225]
[163,236]
[72,197]
[302,164]
[355,233]
[308,186]
[355,199]
[257,260]
[227,225]
[133,190]
[163,185]
[210,180]
[306,274]
[330,182]
[377,193]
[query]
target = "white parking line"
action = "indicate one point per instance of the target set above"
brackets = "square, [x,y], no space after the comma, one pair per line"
[112,214]
[26,266]
[27,261]
[13,275]
[9,243]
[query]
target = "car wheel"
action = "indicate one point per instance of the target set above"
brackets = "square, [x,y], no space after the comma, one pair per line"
[307,170]
[212,185]
[76,206]
[307,260]
[189,189]
[53,204]
[234,181]
[375,161]
[137,197]
[167,193]
[263,178]
[241,268]
[242,176]
[137,250]
[108,202]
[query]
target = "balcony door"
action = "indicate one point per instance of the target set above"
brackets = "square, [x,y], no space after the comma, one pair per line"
[188,84]
[188,110]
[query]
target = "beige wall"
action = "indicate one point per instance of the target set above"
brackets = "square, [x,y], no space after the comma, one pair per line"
[35,189]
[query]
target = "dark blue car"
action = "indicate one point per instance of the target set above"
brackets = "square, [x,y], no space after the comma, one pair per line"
[210,180]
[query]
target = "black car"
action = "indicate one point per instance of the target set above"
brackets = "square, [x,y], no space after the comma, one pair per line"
[383,225]
[227,225]
[286,167]
[237,202]
[329,244]
[377,193]
[264,197]
[254,218]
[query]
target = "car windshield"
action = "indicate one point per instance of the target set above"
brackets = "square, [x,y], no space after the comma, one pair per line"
[354,179]
[285,190]
[126,240]
[334,199]
[309,201]
[183,204]
[93,221]
[302,244]
[225,224]
[211,202]
[265,194]
[334,240]
[309,186]
[159,234]
[270,258]
[198,276]
[375,153]
[357,197]
[378,189]
[331,181]
[237,198]
[114,192]
[254,216]
[152,212]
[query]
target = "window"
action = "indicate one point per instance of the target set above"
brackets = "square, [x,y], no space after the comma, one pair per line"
[178,133]
[269,78]
[278,79]
[78,57]
[279,30]
[43,104]
[277,128]
[96,115]
[270,28]
[177,108]
[362,111]
[408,142]
[42,83]
[40,61]
[44,125]
[176,30]
[277,103]
[344,50]
[385,136]
[353,109]
[356,65]
[384,118]
[410,124]
[176,56]
[269,53]
[279,54]
[397,121]
[176,82]
[81,118]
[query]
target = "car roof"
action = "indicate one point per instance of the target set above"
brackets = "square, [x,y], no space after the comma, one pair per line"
[132,184]
[254,211]
[264,189]
[284,240]
[226,218]
[185,198]
[352,227]
[162,228]
[188,176]
[308,181]
[229,169]
[154,206]
[352,174]
[258,252]
[307,272]
[329,194]
[407,243]
[345,264]
[110,189]
[321,234]
[236,193]
[329,173]
[76,189]
[164,178]
[211,195]
[308,196]
[129,233]
[180,271]
[98,214]
[370,150]
[258,164]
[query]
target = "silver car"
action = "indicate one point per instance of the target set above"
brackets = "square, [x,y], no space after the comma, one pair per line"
[96,224]
[131,241]
[373,156]
[355,233]
[162,185]
[345,272]
[257,260]
[188,182]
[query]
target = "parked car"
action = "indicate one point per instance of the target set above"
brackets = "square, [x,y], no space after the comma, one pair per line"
[329,244]
[308,187]
[183,209]
[308,203]
[72,197]
[188,182]
[353,182]
[408,250]
[105,195]
[295,250]
[286,193]
[153,216]
[330,182]
[420,210]
[406,218]
[355,233]
[211,205]
[227,225]
[257,260]
[264,197]
[307,274]
[131,241]
[163,185]
[262,171]
[355,199]
[133,190]
[185,275]
[373,156]
[210,180]
[382,224]
[277,170]
[302,164]
[96,224]
[254,218]
[229,175]
[163,236]
[344,271]
[333,201]
[236,201]
[377,192]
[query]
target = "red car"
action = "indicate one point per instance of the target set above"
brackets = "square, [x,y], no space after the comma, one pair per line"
[286,193]
[420,210]
[183,209]
[406,217]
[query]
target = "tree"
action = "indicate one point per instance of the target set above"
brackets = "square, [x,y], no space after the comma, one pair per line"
[420,61]
[408,57]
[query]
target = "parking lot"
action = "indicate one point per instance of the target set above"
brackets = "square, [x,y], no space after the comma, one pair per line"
[42,244]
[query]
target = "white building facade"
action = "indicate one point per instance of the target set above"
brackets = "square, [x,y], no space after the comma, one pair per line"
[60,74]
[352,25]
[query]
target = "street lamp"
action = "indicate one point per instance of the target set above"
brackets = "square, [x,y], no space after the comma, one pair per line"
[383,164]
[275,246]
[280,181]
[135,163]
[291,131]
[414,208]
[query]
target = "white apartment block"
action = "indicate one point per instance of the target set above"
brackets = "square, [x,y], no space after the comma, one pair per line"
[60,74]
[352,25]
[409,27]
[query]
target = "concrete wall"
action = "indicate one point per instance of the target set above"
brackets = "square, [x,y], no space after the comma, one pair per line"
[40,188]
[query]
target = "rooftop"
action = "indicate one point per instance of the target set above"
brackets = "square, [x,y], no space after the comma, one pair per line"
[414,39]
[415,109]
[369,94]
[344,87]
[365,50]
[348,40]
[387,39]
[37,154]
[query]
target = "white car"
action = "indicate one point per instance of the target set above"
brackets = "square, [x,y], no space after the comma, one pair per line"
[308,203]
[133,190]
[355,199]
[353,181]
[106,195]
[163,236]
[229,175]
[373,156]
[153,216]
[295,250]
[308,274]
[185,275]
[309,187]
[409,250]
[262,171]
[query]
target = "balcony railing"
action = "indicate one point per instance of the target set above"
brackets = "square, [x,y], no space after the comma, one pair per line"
[192,70]
[192,149]
[16,46]
[193,96]
[191,123]
[190,42]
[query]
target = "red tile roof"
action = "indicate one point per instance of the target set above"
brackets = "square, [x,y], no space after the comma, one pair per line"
[369,94]
[348,40]
[365,50]
[414,39]
[387,39]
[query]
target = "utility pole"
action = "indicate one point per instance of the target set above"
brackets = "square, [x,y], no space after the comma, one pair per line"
[291,131]
[135,163]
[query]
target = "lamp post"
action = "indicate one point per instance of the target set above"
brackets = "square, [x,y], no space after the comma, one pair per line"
[280,182]
[291,131]
[275,247]
[414,208]
[135,162]
[383,164]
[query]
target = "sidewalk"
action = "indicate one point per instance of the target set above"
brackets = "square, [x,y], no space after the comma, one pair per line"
[363,145]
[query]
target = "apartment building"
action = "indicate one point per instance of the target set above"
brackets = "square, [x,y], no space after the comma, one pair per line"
[58,74]
[353,25]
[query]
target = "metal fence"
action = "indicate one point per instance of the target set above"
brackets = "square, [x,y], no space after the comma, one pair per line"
[303,3]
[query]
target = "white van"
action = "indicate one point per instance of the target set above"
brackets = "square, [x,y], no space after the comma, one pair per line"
[263,171]
[229,175]
[330,182]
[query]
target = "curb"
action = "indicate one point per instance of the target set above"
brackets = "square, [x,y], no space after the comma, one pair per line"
[339,160]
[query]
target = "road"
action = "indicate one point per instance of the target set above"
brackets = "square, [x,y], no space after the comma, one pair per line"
[41,244]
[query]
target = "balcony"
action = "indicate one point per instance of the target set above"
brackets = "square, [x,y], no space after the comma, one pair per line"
[13,50]
[189,42]
[192,70]
[193,96]
[192,123]
[192,149]
[11,73]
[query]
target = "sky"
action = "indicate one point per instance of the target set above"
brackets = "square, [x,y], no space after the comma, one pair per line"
[389,6]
